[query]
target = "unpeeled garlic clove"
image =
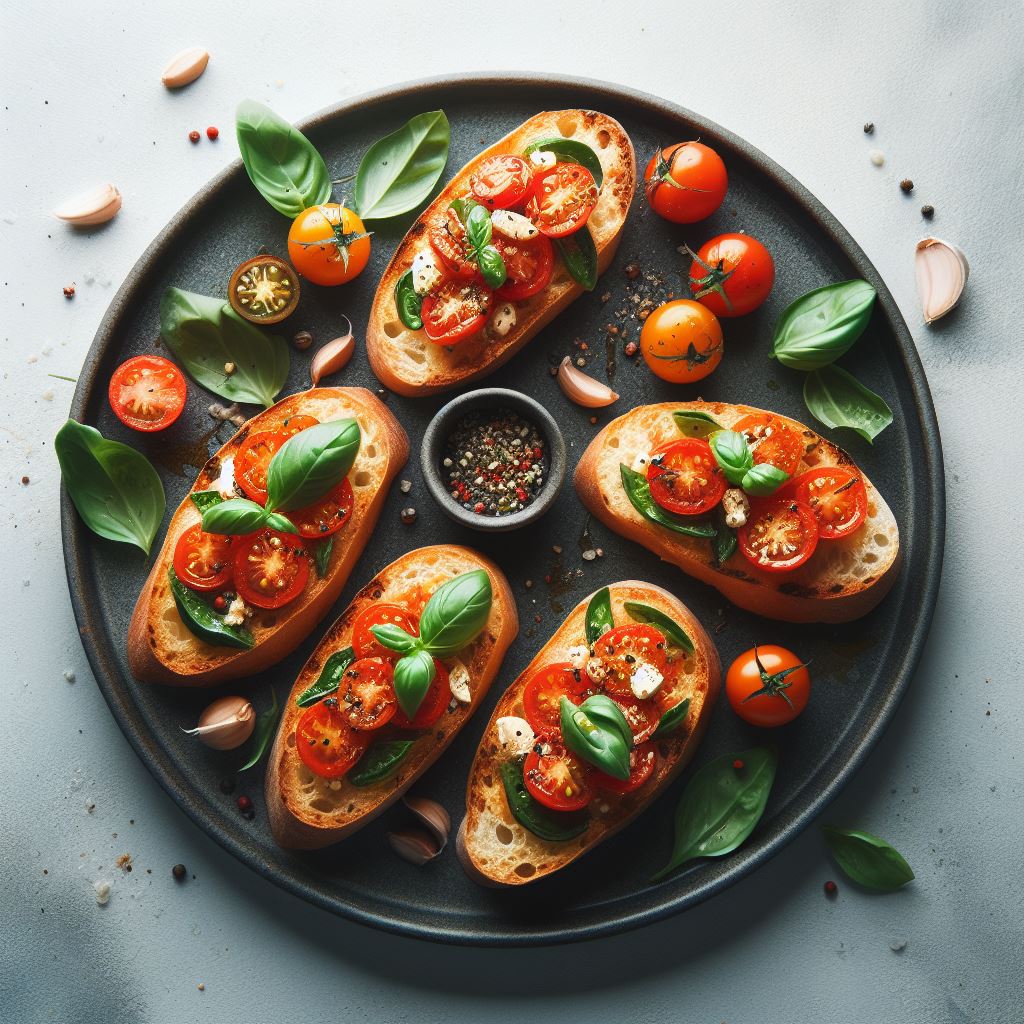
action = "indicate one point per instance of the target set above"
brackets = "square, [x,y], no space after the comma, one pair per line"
[433,816]
[96,206]
[582,389]
[414,846]
[185,67]
[942,271]
[333,356]
[227,723]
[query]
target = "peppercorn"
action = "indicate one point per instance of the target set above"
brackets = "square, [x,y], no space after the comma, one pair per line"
[179,871]
[830,888]
[69,291]
[244,803]
[869,128]
[193,136]
[302,341]
[632,271]
[737,764]
[927,211]
[212,133]
[631,349]
[409,515]
[25,481]
[219,603]
[907,185]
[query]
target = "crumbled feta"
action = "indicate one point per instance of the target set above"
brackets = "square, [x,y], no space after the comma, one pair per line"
[426,274]
[102,890]
[596,670]
[645,680]
[237,613]
[641,462]
[516,733]
[736,506]
[458,682]
[513,225]
[543,158]
[225,482]
[504,319]
[578,656]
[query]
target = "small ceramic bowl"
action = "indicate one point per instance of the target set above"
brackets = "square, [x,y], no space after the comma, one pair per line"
[444,422]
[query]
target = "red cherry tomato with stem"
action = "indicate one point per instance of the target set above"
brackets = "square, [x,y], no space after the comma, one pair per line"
[731,274]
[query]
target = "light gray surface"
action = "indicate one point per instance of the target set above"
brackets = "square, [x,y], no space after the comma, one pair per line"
[82,103]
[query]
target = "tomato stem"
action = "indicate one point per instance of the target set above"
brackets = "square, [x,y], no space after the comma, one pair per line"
[773,685]
[713,281]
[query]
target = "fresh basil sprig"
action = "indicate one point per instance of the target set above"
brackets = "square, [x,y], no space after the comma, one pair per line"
[329,679]
[570,150]
[237,516]
[408,303]
[867,859]
[479,231]
[837,399]
[732,453]
[820,326]
[598,619]
[116,490]
[579,254]
[414,672]
[674,633]
[265,724]
[639,493]
[598,732]
[672,720]
[692,423]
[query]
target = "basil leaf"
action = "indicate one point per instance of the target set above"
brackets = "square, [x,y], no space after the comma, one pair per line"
[322,556]
[579,254]
[329,679]
[866,859]
[492,266]
[570,150]
[672,720]
[639,494]
[281,523]
[598,732]
[379,762]
[724,543]
[463,207]
[763,479]
[674,633]
[732,453]
[205,499]
[117,492]
[478,226]
[408,303]
[265,724]
[695,424]
[820,326]
[205,335]
[400,171]
[456,613]
[234,516]
[721,805]
[413,675]
[395,638]
[837,399]
[554,826]
[204,622]
[310,463]
[599,615]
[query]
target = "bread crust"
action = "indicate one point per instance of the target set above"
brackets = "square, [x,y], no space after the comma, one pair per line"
[297,825]
[816,592]
[436,369]
[152,659]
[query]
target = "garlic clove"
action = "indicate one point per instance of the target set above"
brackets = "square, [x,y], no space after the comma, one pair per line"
[431,814]
[942,271]
[185,67]
[414,846]
[227,723]
[96,206]
[333,356]
[582,388]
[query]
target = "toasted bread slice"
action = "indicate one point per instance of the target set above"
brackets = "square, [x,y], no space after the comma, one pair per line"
[405,360]
[308,812]
[161,648]
[843,579]
[493,847]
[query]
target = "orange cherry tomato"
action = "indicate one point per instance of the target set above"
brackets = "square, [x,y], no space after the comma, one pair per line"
[556,779]
[433,706]
[328,746]
[253,460]
[367,694]
[365,644]
[685,478]
[642,759]
[768,686]
[271,568]
[681,341]
[837,497]
[622,649]
[562,199]
[328,244]
[147,393]
[542,696]
[326,515]
[501,182]
[780,534]
[732,275]
[686,182]
[204,561]
[771,440]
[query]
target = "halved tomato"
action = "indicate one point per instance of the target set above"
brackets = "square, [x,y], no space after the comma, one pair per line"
[641,767]
[204,561]
[556,779]
[772,441]
[326,515]
[253,460]
[449,240]
[685,478]
[779,535]
[542,696]
[328,746]
[365,644]
[501,182]
[367,694]
[837,497]
[293,424]
[528,265]
[623,648]
[562,200]
[642,715]
[271,568]
[455,311]
[147,393]
[438,697]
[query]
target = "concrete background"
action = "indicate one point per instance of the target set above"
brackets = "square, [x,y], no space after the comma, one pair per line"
[82,103]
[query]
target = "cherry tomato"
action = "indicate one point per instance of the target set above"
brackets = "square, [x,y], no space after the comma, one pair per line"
[367,694]
[686,182]
[779,535]
[768,686]
[436,700]
[327,744]
[252,461]
[327,515]
[528,264]
[641,767]
[772,440]
[557,780]
[365,644]
[501,182]
[147,393]
[271,568]
[455,311]
[204,561]
[328,244]
[623,648]
[732,275]
[837,497]
[685,478]
[681,341]
[562,200]
[542,696]
[293,425]
[642,715]
[449,240]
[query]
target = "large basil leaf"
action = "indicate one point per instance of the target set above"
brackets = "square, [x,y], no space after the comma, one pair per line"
[408,303]
[674,633]
[820,326]
[265,724]
[395,638]
[206,334]
[732,453]
[721,805]
[692,423]
[329,679]
[234,516]
[579,254]
[639,493]
[413,675]
[570,150]
[281,162]
[599,615]
[310,463]
[380,762]
[456,612]
[866,859]
[554,826]
[117,492]
[204,622]
[837,399]
[399,171]
[598,732]
[763,479]
[673,719]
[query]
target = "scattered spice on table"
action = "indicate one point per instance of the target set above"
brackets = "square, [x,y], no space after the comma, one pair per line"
[907,186]
[869,128]
[179,871]
[193,136]
[927,211]
[409,515]
[212,133]
[302,341]
[830,888]
[69,291]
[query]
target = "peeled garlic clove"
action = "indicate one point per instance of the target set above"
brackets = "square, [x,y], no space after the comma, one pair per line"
[942,270]
[333,356]
[414,846]
[227,723]
[185,67]
[433,816]
[583,389]
[96,206]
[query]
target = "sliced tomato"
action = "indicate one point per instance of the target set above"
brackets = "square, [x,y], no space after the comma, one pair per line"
[642,715]
[837,497]
[328,746]
[642,759]
[271,568]
[253,460]
[367,694]
[438,697]
[147,393]
[204,561]
[528,265]
[685,478]
[772,441]
[327,515]
[455,311]
[623,648]
[501,182]
[292,425]
[449,240]
[542,697]
[365,644]
[556,779]
[779,535]
[562,200]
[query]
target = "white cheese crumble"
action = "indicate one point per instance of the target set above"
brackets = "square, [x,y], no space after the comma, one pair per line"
[516,733]
[504,319]
[225,482]
[237,612]
[513,225]
[596,670]
[543,158]
[458,683]
[102,890]
[578,656]
[736,506]
[645,680]
[641,462]
[426,274]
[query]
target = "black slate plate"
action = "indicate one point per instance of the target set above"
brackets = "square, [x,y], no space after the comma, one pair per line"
[860,669]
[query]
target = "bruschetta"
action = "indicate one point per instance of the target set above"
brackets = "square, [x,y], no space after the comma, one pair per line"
[217,607]
[346,747]
[773,515]
[534,804]
[511,241]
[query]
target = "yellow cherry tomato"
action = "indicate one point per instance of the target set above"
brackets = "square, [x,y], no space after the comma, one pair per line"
[681,341]
[328,244]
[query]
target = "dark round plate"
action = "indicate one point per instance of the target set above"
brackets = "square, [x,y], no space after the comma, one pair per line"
[860,669]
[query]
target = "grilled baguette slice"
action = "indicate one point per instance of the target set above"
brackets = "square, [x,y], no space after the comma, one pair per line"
[161,648]
[307,812]
[493,847]
[404,360]
[843,579]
